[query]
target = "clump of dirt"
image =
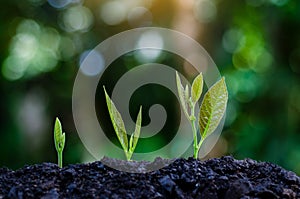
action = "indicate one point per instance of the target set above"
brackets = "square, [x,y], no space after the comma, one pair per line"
[184,178]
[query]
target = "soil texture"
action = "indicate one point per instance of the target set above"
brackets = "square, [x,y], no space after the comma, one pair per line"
[223,177]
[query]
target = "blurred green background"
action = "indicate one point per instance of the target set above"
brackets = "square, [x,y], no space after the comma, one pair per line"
[254,43]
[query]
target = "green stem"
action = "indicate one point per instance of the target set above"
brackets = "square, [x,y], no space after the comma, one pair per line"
[195,139]
[194,129]
[128,155]
[199,145]
[59,157]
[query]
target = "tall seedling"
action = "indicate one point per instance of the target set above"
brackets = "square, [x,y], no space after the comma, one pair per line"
[212,108]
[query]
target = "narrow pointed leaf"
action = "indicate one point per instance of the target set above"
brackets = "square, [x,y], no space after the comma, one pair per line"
[213,108]
[130,142]
[186,94]
[181,93]
[117,122]
[135,136]
[197,87]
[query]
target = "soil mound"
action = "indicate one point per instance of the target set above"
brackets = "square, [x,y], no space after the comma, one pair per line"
[223,177]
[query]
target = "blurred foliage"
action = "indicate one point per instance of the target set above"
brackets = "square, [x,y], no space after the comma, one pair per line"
[255,44]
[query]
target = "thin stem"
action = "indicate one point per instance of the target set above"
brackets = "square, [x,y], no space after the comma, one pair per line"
[59,159]
[199,145]
[194,129]
[195,138]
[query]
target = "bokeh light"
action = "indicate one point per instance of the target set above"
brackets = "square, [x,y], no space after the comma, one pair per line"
[113,12]
[92,66]
[205,10]
[33,50]
[233,40]
[149,40]
[139,17]
[77,18]
[59,3]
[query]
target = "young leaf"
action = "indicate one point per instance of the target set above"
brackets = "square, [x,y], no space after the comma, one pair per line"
[135,136]
[117,122]
[186,94]
[213,108]
[197,87]
[59,137]
[182,95]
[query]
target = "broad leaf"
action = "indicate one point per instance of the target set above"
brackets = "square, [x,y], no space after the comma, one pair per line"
[135,136]
[117,122]
[59,137]
[182,95]
[197,87]
[213,108]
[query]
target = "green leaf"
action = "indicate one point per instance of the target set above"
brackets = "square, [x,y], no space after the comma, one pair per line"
[117,122]
[213,108]
[197,87]
[59,137]
[62,141]
[57,133]
[182,95]
[186,94]
[135,136]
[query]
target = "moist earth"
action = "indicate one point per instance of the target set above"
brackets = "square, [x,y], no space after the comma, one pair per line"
[223,177]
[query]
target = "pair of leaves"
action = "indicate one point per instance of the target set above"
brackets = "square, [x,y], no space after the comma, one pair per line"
[184,95]
[119,127]
[59,136]
[213,105]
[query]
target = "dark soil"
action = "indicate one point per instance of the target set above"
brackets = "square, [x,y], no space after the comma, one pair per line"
[216,178]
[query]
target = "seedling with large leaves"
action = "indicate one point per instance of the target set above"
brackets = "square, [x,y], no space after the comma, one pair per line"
[212,109]
[120,130]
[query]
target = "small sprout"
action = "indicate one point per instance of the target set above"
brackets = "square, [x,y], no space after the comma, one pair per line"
[211,111]
[120,130]
[59,141]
